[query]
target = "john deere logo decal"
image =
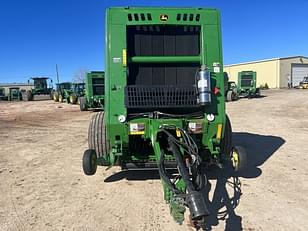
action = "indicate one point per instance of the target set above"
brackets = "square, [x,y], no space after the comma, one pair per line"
[163,17]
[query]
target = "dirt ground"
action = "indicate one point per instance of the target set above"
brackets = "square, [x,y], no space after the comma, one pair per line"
[42,185]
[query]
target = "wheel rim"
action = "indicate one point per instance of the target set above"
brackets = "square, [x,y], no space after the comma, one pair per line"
[235,159]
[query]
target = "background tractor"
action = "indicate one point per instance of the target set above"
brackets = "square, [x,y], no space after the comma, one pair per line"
[14,94]
[94,95]
[63,92]
[78,91]
[246,86]
[2,94]
[304,83]
[230,89]
[41,87]
[164,102]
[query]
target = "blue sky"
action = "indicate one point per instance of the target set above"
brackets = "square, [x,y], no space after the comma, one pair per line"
[37,34]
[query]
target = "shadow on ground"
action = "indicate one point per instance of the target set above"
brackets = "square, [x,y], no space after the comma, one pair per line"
[227,191]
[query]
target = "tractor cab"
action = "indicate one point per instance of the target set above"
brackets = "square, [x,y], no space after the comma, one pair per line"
[62,92]
[41,87]
[14,94]
[78,88]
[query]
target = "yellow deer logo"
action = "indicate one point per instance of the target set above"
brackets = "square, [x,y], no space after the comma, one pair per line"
[163,17]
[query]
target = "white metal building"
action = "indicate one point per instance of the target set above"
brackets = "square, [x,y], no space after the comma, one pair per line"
[22,86]
[276,72]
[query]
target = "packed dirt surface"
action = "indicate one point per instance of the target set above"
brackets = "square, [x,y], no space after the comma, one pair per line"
[42,185]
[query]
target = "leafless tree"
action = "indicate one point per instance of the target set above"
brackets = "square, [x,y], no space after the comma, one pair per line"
[80,76]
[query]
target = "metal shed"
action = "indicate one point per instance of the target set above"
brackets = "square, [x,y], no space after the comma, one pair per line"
[276,72]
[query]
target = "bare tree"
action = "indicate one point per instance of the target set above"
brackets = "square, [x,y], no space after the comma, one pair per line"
[80,76]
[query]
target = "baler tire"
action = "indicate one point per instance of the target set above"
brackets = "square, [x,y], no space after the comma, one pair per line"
[89,162]
[97,136]
[83,104]
[226,143]
[239,158]
[229,96]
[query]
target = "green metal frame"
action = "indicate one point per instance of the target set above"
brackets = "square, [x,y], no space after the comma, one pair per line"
[94,100]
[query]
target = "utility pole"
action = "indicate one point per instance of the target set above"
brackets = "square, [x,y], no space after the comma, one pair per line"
[57,73]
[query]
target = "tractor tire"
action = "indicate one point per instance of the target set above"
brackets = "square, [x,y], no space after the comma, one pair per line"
[238,158]
[61,98]
[83,104]
[229,96]
[24,96]
[29,96]
[89,162]
[56,96]
[97,139]
[73,99]
[258,93]
[226,143]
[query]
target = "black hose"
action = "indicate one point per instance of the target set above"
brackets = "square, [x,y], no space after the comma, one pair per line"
[182,168]
[163,174]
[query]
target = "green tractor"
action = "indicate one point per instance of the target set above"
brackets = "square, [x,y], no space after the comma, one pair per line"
[14,94]
[230,89]
[95,95]
[63,92]
[41,87]
[78,91]
[246,87]
[2,94]
[165,104]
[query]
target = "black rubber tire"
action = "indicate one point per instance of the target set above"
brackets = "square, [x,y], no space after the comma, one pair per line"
[229,96]
[24,96]
[83,104]
[258,92]
[89,163]
[56,96]
[242,158]
[29,96]
[97,139]
[235,97]
[226,143]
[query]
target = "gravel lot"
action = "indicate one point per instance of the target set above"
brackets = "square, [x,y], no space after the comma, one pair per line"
[42,185]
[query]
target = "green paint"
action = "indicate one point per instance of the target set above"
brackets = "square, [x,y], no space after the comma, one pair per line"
[118,136]
[247,83]
[95,87]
